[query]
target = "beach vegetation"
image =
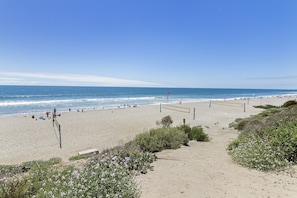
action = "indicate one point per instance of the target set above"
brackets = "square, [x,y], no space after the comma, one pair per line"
[12,170]
[265,106]
[195,133]
[198,134]
[289,103]
[159,139]
[108,174]
[166,121]
[267,143]
[80,157]
[240,126]
[264,114]
[235,123]
[185,128]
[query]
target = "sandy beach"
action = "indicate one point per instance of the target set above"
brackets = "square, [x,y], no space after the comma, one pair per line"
[200,170]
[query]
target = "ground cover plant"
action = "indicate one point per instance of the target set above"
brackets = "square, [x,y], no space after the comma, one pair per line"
[267,143]
[108,174]
[12,170]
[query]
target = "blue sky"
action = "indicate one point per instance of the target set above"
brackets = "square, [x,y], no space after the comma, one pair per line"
[155,43]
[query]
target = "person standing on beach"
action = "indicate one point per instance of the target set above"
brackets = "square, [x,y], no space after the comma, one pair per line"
[55,112]
[168,95]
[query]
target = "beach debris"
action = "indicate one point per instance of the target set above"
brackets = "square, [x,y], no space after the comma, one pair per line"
[89,151]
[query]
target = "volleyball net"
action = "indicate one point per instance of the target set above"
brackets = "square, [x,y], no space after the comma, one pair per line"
[176,108]
[227,103]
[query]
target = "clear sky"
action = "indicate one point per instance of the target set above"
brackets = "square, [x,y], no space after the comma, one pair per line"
[155,43]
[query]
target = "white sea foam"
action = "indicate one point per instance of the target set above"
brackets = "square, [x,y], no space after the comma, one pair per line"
[73,101]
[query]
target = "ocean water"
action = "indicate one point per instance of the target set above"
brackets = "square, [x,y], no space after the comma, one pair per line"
[40,99]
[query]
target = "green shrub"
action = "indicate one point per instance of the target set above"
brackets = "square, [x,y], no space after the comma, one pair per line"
[264,114]
[235,123]
[274,110]
[266,106]
[198,134]
[254,125]
[240,126]
[289,103]
[160,139]
[185,128]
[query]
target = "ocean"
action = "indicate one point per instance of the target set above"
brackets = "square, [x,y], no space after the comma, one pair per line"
[19,100]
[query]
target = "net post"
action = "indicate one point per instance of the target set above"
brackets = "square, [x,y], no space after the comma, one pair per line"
[160,107]
[53,120]
[243,107]
[194,112]
[60,135]
[209,103]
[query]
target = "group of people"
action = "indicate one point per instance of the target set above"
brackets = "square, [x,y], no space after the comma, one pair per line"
[47,115]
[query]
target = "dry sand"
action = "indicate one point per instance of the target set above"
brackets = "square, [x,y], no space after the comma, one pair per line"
[200,170]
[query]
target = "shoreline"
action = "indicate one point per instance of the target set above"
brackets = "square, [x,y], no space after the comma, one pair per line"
[187,101]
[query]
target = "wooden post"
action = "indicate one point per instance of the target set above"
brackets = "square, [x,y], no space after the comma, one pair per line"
[194,114]
[55,121]
[60,136]
[243,107]
[160,107]
[209,103]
